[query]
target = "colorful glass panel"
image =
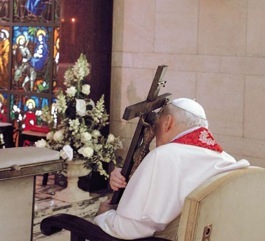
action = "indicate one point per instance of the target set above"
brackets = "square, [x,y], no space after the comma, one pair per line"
[4,57]
[3,108]
[39,11]
[57,11]
[4,10]
[31,59]
[56,55]
[26,111]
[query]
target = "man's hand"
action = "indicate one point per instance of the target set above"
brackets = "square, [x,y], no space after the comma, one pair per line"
[105,206]
[117,180]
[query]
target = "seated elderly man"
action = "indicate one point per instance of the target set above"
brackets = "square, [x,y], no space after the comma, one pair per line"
[186,154]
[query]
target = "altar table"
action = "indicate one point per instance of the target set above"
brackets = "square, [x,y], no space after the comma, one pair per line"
[18,168]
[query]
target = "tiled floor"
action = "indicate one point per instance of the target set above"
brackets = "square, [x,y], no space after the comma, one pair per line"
[48,202]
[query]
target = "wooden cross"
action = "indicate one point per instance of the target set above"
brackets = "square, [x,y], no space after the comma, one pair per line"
[144,111]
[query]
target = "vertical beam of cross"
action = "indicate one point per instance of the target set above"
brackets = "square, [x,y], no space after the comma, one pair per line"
[142,110]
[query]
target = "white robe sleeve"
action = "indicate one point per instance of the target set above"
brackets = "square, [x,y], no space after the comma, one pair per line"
[141,209]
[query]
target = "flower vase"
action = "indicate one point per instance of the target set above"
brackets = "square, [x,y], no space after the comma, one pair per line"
[72,193]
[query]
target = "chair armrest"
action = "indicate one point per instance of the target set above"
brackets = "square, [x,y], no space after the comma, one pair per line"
[80,229]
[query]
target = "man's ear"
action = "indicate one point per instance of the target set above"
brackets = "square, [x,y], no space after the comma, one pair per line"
[168,123]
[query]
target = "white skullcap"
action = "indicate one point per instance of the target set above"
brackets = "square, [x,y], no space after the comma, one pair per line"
[191,106]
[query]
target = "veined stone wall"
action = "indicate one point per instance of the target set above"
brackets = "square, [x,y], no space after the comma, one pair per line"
[215,52]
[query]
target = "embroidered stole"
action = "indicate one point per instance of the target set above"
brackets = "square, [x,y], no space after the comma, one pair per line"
[201,137]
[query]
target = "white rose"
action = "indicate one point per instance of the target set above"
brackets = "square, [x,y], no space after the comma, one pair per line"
[98,147]
[49,135]
[58,136]
[80,107]
[67,153]
[41,143]
[86,151]
[111,138]
[95,133]
[71,91]
[86,89]
[85,137]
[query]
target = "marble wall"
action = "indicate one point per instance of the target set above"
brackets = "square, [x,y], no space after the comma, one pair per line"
[215,52]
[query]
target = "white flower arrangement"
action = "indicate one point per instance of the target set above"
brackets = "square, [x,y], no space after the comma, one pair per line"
[80,121]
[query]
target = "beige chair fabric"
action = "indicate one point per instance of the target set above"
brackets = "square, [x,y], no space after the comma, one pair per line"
[227,207]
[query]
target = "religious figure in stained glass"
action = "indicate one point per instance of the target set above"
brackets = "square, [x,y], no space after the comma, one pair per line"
[4,52]
[39,59]
[23,69]
[31,56]
[3,109]
[30,118]
[36,7]
[41,51]
[56,50]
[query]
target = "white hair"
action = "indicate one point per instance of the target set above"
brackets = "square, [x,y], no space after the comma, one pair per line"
[185,118]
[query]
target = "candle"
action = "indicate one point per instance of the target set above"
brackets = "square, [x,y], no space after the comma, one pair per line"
[73,23]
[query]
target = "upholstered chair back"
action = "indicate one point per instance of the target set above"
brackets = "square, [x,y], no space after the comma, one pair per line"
[227,207]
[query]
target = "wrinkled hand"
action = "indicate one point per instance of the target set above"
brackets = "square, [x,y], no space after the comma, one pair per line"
[105,206]
[117,180]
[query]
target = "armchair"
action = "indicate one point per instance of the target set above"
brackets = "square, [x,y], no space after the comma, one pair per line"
[227,207]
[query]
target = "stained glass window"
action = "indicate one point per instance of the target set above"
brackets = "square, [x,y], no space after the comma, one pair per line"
[29,58]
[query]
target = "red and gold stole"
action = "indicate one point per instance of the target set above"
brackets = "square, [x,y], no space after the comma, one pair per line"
[201,137]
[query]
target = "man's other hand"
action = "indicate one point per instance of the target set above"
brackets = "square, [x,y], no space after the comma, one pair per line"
[105,206]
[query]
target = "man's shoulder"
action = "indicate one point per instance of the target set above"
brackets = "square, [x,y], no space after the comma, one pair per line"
[170,150]
[173,147]
[179,151]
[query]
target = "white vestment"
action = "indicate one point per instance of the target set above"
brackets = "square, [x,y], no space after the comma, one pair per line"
[155,193]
